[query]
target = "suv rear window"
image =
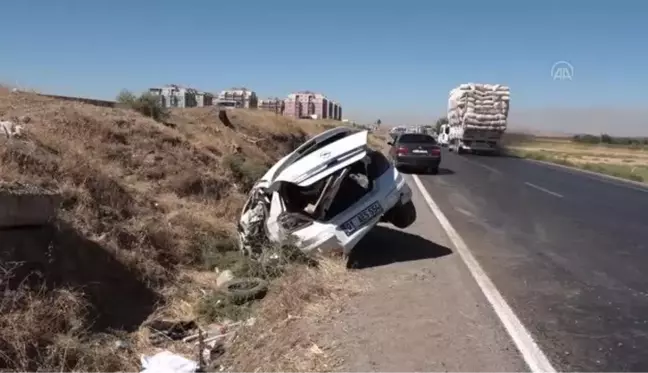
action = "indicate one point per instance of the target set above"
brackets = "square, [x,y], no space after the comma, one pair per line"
[415,137]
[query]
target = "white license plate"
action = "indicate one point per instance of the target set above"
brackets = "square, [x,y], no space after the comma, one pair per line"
[419,151]
[362,218]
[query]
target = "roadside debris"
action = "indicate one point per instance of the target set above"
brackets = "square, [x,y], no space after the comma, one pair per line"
[243,290]
[224,277]
[209,341]
[165,330]
[168,362]
[325,196]
[10,129]
[14,127]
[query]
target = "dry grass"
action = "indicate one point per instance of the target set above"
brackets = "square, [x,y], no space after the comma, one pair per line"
[286,335]
[147,208]
[620,161]
[46,329]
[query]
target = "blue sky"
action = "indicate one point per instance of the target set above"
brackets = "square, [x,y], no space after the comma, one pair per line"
[380,59]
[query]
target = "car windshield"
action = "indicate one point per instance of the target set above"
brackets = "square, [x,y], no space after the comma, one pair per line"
[416,138]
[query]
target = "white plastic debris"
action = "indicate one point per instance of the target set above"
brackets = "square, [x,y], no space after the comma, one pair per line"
[168,362]
[223,277]
[9,128]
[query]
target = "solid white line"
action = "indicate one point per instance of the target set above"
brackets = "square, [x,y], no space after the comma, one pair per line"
[543,189]
[608,179]
[531,352]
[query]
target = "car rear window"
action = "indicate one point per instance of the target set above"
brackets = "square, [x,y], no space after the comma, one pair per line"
[413,138]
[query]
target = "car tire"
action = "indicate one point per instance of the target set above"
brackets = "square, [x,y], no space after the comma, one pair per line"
[433,170]
[243,290]
[402,216]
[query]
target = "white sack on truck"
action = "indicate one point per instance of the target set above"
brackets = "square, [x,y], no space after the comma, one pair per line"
[479,106]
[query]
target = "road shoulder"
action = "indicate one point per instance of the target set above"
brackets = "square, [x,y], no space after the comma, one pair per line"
[423,312]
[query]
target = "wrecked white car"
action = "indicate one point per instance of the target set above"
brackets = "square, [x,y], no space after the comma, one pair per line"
[326,195]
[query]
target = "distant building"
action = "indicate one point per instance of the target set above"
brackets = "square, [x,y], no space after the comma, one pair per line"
[173,95]
[276,105]
[308,104]
[204,99]
[244,97]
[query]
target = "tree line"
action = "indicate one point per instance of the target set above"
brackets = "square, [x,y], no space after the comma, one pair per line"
[607,139]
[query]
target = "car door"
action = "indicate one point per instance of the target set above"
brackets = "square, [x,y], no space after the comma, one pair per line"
[394,146]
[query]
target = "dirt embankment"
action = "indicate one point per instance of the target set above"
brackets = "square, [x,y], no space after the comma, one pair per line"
[148,211]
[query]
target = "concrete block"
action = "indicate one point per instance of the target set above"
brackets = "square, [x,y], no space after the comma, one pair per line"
[26,205]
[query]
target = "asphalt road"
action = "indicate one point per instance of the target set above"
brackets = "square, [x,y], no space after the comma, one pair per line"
[421,310]
[568,251]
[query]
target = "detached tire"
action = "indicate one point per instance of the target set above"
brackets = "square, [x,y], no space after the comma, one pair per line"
[402,216]
[243,290]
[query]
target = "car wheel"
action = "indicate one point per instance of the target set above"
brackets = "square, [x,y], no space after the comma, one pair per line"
[433,170]
[402,216]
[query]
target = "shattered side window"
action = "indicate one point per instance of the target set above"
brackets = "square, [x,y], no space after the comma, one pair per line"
[301,199]
[333,195]
[354,186]
[378,165]
[299,203]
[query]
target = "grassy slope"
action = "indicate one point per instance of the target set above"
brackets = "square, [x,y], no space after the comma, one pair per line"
[148,211]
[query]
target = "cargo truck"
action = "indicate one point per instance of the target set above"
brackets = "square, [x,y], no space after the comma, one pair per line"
[477,118]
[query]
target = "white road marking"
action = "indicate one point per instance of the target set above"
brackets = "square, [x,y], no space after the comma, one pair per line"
[489,168]
[543,189]
[465,212]
[536,360]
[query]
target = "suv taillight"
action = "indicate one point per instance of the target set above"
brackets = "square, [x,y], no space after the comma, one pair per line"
[401,150]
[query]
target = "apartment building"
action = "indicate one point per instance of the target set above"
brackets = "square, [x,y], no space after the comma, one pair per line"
[274,104]
[243,97]
[176,96]
[204,99]
[307,104]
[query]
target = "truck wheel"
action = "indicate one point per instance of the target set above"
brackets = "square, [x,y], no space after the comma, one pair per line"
[402,216]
